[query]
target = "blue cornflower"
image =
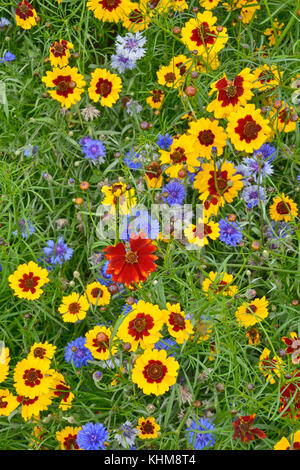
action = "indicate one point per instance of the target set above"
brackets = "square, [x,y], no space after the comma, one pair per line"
[26,228]
[4,22]
[257,167]
[76,353]
[30,150]
[92,436]
[93,149]
[133,107]
[173,193]
[280,230]
[141,222]
[131,45]
[266,152]
[230,232]
[198,436]
[132,160]
[164,141]
[250,195]
[58,251]
[121,63]
[8,57]
[126,434]
[298,178]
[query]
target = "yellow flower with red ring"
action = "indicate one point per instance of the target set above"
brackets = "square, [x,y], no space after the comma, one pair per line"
[155,100]
[283,119]
[169,76]
[148,428]
[136,18]
[219,283]
[141,326]
[67,438]
[97,294]
[253,336]
[4,361]
[97,341]
[266,77]
[293,444]
[28,280]
[200,234]
[26,16]
[206,135]
[154,372]
[247,12]
[73,307]
[181,155]
[8,403]
[247,129]
[42,351]
[153,175]
[109,10]
[250,313]
[33,377]
[60,53]
[283,208]
[68,83]
[178,325]
[118,195]
[31,407]
[270,367]
[62,390]
[105,87]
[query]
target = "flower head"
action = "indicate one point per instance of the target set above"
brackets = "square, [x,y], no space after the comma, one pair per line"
[28,280]
[93,149]
[68,84]
[230,232]
[199,436]
[58,252]
[77,353]
[92,436]
[244,431]
[173,193]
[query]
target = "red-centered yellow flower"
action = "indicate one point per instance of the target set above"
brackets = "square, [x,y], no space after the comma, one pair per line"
[169,76]
[206,135]
[231,94]
[155,100]
[73,307]
[253,336]
[152,8]
[271,34]
[8,403]
[270,367]
[178,325]
[283,119]
[153,175]
[200,234]
[117,195]
[209,4]
[247,129]
[203,35]
[284,444]
[148,428]
[68,84]
[266,77]
[42,351]
[97,341]
[181,155]
[221,183]
[154,372]
[27,281]
[247,12]
[36,437]
[97,294]
[67,438]
[62,390]
[141,326]
[25,15]
[136,19]
[219,283]
[105,87]
[4,361]
[60,53]
[109,10]
[31,407]
[183,64]
[33,377]
[211,205]
[250,313]
[283,208]
[178,5]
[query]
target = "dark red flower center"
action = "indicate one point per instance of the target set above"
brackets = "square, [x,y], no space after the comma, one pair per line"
[103,87]
[283,208]
[29,282]
[153,170]
[3,404]
[202,230]
[178,156]
[70,442]
[218,287]
[110,4]
[58,49]
[131,257]
[135,16]
[247,128]
[156,95]
[147,428]
[32,377]
[96,291]
[218,183]
[154,371]
[101,342]
[182,68]
[27,401]
[206,137]
[203,35]
[170,77]
[251,309]
[74,308]
[39,352]
[140,326]
[24,10]
[64,84]
[266,77]
[177,321]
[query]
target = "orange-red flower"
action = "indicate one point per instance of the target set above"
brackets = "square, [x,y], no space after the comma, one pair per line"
[243,429]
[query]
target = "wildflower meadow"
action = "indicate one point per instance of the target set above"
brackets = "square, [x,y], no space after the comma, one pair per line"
[149,225]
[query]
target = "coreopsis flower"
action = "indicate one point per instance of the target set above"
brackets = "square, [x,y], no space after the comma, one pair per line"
[97,341]
[253,336]
[148,428]
[293,346]
[181,155]
[248,10]
[133,264]
[247,129]
[271,34]
[244,431]
[60,53]
[209,4]
[33,377]
[4,363]
[73,307]
[67,438]
[42,351]
[266,77]
[68,83]
[203,35]
[285,444]
[283,119]
[219,283]
[207,136]
[184,64]
[135,18]
[154,372]
[62,390]
[211,205]
[119,196]
[25,15]
[31,407]
[105,87]
[169,76]
[290,397]
[27,281]
[283,208]
[97,294]
[8,403]
[153,175]
[250,313]
[231,94]
[201,233]
[109,10]
[220,182]
[156,98]
[142,326]
[270,367]
[178,325]
[178,5]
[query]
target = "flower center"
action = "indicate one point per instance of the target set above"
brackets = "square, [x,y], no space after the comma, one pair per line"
[156,95]
[251,130]
[131,257]
[203,35]
[103,87]
[170,77]
[231,89]
[39,352]
[140,324]
[135,16]
[251,309]
[70,442]
[155,371]
[110,4]
[177,320]
[101,338]
[178,155]
[96,291]
[3,404]
[283,207]
[74,307]
[147,428]
[32,377]
[29,282]
[206,137]
[153,170]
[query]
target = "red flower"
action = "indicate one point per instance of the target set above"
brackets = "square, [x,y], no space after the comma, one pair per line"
[243,429]
[131,265]
[290,397]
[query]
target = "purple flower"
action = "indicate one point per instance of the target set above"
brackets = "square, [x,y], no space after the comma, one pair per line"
[230,232]
[198,435]
[58,252]
[4,22]
[258,167]
[92,436]
[30,150]
[26,228]
[250,195]
[76,352]
[266,152]
[173,193]
[132,160]
[133,107]
[131,46]
[8,57]
[164,141]
[279,230]
[126,434]
[141,222]
[121,63]
[93,149]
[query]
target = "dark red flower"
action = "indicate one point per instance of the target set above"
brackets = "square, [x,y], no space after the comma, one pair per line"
[290,397]
[244,430]
[131,265]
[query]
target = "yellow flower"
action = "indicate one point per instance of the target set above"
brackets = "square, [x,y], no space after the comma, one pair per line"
[283,208]
[270,367]
[105,87]
[73,307]
[109,10]
[135,19]
[97,341]
[153,176]
[154,372]
[25,15]
[33,377]
[62,390]
[169,76]
[181,155]
[31,407]
[68,82]
[155,100]
[266,77]
[141,326]
[283,119]
[178,325]
[284,444]
[8,403]
[4,361]
[42,351]
[28,280]
[118,195]
[271,34]
[247,129]
[207,134]
[97,294]
[251,313]
[199,234]
[60,53]
[148,428]
[67,438]
[253,336]
[219,283]
[247,12]
[209,4]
